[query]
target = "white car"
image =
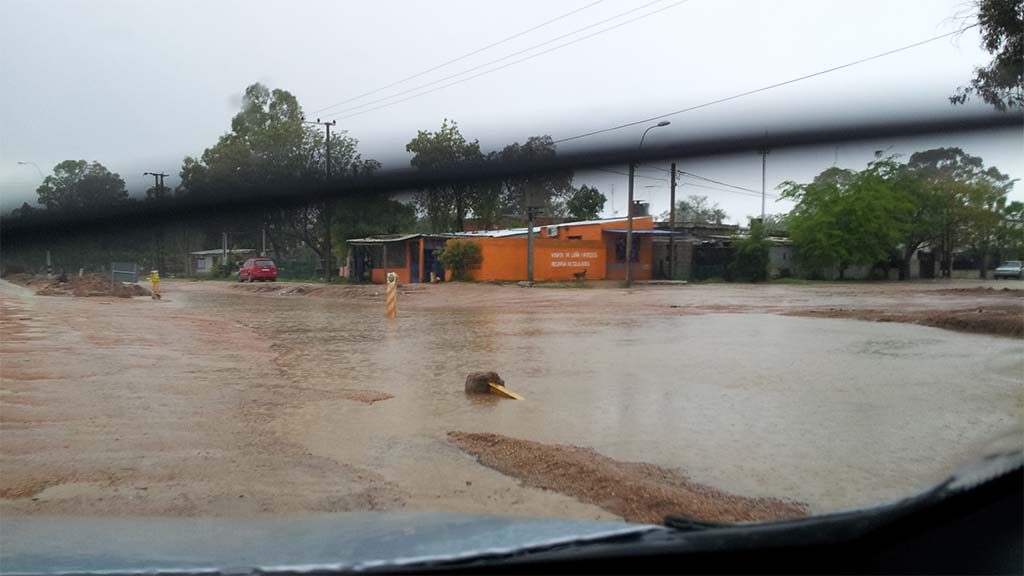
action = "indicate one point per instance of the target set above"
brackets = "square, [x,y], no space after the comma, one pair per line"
[1010,269]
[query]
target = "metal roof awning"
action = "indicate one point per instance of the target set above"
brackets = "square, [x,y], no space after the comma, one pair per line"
[383,239]
[641,232]
[216,251]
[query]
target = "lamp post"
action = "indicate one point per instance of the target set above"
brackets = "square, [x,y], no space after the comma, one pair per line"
[34,165]
[629,207]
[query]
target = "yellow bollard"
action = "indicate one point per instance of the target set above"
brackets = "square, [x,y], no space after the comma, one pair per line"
[392,294]
[154,281]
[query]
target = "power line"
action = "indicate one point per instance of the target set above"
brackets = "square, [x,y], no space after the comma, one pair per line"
[732,189]
[495,61]
[514,62]
[463,57]
[720,183]
[769,87]
[692,175]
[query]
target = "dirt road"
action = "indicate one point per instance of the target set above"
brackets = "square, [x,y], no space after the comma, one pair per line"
[234,400]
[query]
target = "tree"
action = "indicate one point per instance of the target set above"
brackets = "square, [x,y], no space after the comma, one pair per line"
[697,210]
[546,190]
[585,203]
[956,201]
[369,215]
[1001,82]
[776,223]
[461,256]
[76,184]
[845,218]
[750,254]
[445,205]
[269,147]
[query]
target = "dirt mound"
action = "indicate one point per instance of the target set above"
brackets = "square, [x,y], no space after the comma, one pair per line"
[479,382]
[91,285]
[636,491]
[984,291]
[999,320]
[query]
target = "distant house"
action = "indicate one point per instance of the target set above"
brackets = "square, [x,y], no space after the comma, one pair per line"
[210,261]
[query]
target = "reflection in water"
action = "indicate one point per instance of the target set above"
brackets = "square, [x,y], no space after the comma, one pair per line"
[837,413]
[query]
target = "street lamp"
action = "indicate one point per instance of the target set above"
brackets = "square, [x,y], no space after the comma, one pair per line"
[34,165]
[629,207]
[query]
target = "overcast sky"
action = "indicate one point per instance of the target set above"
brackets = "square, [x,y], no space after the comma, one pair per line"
[138,85]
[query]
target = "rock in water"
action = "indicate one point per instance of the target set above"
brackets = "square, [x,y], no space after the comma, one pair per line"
[477,382]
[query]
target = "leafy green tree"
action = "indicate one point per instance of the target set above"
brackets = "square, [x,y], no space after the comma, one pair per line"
[776,223]
[750,254]
[461,256]
[269,147]
[697,210]
[1001,82]
[546,190]
[845,218]
[957,198]
[76,184]
[585,203]
[369,215]
[446,205]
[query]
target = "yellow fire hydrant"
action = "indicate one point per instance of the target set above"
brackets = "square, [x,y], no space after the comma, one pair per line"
[154,282]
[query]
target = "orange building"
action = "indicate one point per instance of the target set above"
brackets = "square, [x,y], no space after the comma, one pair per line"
[592,250]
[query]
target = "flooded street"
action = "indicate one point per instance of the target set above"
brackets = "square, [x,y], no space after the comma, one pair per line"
[834,413]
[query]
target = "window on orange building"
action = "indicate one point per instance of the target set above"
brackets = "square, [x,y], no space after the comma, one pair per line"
[620,250]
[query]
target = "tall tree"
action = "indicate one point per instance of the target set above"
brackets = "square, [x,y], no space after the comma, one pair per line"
[1001,82]
[540,189]
[585,203]
[445,205]
[845,218]
[957,197]
[270,147]
[697,210]
[76,184]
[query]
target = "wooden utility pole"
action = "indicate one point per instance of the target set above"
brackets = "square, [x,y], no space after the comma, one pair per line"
[530,212]
[629,227]
[672,225]
[328,208]
[158,184]
[764,166]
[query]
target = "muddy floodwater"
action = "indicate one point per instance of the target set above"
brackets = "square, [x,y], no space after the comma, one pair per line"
[832,413]
[836,413]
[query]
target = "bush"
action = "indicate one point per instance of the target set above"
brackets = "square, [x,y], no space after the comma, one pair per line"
[461,256]
[750,256]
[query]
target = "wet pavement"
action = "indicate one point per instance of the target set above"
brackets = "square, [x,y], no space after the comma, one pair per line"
[223,401]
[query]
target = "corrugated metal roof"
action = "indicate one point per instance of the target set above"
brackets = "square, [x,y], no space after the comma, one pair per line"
[216,251]
[384,239]
[645,232]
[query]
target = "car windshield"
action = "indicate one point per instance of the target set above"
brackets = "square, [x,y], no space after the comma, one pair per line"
[581,260]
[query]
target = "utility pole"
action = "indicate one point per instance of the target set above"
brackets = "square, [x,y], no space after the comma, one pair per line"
[764,165]
[672,225]
[158,184]
[328,204]
[629,226]
[224,262]
[529,243]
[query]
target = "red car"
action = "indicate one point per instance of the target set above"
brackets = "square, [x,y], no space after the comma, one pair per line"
[255,269]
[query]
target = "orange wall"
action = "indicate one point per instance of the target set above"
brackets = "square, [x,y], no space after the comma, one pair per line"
[560,258]
[378,276]
[553,259]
